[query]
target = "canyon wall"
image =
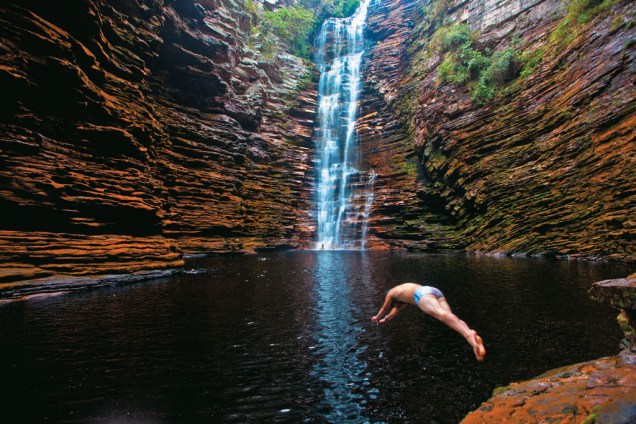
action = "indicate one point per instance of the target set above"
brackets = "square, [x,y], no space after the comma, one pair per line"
[401,217]
[545,166]
[135,132]
[132,132]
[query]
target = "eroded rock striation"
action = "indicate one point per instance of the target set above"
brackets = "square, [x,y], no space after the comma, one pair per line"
[132,132]
[545,166]
[135,132]
[402,216]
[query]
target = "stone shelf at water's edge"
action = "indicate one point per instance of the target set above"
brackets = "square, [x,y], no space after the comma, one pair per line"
[598,391]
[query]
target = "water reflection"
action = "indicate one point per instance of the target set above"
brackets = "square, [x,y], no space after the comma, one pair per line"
[287,337]
[339,349]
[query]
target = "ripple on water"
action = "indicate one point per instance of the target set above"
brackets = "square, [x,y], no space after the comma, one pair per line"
[288,339]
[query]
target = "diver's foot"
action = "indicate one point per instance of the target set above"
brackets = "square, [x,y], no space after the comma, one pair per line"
[478,348]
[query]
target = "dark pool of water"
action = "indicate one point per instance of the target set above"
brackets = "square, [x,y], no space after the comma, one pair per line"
[287,337]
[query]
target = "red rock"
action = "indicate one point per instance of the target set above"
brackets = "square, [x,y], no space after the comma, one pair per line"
[139,123]
[542,169]
[566,395]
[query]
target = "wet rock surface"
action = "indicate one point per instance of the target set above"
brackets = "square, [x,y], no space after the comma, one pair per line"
[622,295]
[134,132]
[59,285]
[402,216]
[595,391]
[599,391]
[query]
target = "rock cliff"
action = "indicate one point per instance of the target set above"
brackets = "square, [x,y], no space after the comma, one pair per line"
[541,164]
[132,132]
[135,132]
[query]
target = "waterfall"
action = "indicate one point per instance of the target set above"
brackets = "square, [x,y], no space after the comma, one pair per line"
[342,190]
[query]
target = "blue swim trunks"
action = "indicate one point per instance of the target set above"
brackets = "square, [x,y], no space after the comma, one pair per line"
[424,290]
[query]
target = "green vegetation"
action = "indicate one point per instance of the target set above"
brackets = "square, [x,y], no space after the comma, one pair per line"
[579,12]
[487,73]
[435,12]
[410,168]
[503,68]
[592,418]
[499,390]
[252,7]
[462,65]
[617,22]
[448,38]
[582,11]
[483,71]
[259,38]
[531,61]
[337,8]
[294,25]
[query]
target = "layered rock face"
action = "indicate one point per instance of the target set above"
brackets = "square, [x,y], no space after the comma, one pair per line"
[132,132]
[545,167]
[400,217]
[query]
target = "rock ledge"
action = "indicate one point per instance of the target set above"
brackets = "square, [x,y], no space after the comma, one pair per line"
[599,391]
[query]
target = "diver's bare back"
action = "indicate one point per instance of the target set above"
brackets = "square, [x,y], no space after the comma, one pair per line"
[405,293]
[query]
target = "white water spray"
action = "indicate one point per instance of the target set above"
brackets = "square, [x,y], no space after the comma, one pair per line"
[340,47]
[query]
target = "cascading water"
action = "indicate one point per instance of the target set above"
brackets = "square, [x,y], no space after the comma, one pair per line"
[344,195]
